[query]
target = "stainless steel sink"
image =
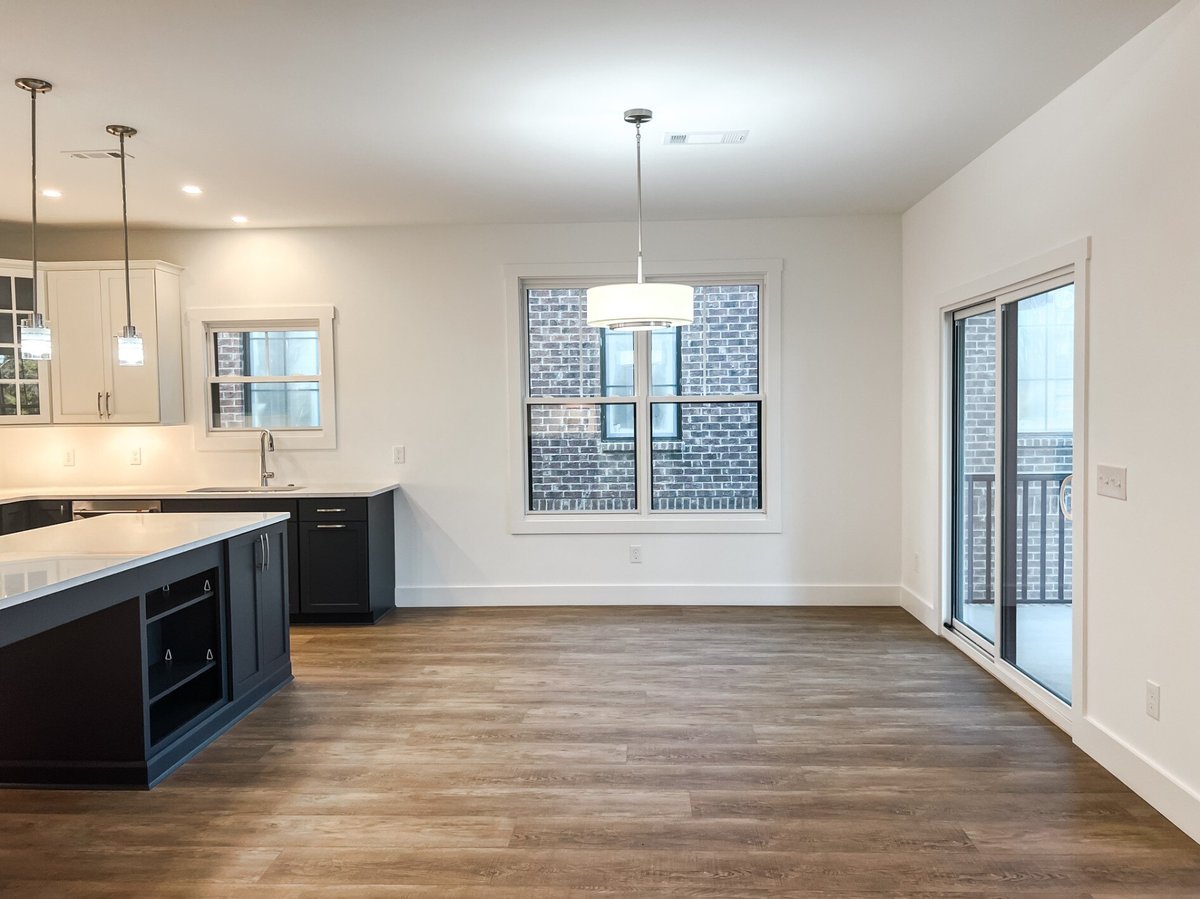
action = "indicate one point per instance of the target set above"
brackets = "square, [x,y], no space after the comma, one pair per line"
[280,489]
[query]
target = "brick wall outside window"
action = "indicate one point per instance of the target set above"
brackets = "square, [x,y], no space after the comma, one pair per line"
[715,462]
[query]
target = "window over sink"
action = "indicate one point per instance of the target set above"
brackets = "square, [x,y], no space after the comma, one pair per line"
[266,368]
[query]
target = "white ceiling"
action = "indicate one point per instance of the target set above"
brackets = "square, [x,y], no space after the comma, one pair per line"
[315,112]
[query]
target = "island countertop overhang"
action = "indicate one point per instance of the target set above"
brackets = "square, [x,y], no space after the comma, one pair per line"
[41,562]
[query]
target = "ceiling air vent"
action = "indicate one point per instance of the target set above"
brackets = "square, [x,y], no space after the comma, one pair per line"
[677,138]
[95,154]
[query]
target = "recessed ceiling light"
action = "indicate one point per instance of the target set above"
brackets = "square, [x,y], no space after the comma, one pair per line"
[52,193]
[192,190]
[240,219]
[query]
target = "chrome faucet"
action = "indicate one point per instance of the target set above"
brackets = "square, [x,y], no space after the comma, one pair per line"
[266,444]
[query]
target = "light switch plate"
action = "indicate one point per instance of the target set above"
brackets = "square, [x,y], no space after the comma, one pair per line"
[1110,481]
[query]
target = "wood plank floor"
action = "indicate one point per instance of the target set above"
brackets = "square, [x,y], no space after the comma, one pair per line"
[666,751]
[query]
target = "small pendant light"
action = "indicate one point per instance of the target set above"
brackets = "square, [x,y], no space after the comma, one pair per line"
[130,349]
[640,306]
[34,332]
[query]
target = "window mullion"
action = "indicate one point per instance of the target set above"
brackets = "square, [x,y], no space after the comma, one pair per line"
[643,430]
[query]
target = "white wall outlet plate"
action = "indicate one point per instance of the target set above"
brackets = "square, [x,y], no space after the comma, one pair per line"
[397,455]
[135,456]
[69,458]
[635,555]
[1153,699]
[1110,481]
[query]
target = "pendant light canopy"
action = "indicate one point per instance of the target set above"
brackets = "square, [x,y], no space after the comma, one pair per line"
[34,332]
[130,349]
[640,306]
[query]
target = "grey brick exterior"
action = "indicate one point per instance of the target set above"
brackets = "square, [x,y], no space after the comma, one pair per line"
[715,462]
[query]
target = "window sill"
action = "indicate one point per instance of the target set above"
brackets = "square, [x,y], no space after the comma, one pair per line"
[248,440]
[663,523]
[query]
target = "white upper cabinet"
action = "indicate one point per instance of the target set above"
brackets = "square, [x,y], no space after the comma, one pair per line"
[86,306]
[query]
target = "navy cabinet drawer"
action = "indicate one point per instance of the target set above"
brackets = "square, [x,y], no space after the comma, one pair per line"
[336,509]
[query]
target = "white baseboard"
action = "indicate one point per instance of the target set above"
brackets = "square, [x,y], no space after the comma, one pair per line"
[1177,801]
[924,612]
[648,595]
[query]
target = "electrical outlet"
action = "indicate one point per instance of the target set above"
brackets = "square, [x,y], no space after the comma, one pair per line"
[135,456]
[635,555]
[1110,481]
[397,455]
[1153,699]
[69,458]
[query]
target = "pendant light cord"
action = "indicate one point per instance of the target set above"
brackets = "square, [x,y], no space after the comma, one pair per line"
[125,225]
[33,145]
[638,126]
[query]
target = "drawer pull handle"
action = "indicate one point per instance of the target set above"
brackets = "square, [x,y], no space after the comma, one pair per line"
[331,510]
[331,525]
[99,410]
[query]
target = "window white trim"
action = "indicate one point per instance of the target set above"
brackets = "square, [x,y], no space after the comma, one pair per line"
[768,272]
[201,321]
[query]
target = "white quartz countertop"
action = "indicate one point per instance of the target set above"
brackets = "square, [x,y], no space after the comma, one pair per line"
[47,560]
[186,491]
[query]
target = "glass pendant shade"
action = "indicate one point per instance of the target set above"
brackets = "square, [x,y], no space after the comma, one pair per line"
[35,340]
[640,307]
[130,349]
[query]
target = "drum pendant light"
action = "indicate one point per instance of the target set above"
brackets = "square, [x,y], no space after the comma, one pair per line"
[640,306]
[130,349]
[34,332]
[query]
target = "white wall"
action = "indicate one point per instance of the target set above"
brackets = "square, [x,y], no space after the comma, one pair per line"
[422,362]
[1117,157]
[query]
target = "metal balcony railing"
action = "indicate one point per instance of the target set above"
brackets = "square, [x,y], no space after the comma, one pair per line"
[1043,539]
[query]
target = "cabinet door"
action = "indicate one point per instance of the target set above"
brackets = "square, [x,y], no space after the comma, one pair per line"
[255,505]
[333,566]
[45,512]
[14,518]
[273,601]
[78,369]
[245,655]
[134,388]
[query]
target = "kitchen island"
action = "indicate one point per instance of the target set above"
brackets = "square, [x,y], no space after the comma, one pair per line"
[128,643]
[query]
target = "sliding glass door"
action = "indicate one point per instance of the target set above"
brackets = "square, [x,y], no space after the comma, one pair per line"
[1013,455]
[1038,457]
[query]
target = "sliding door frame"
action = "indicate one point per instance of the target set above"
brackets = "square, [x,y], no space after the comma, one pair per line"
[988,647]
[1067,264]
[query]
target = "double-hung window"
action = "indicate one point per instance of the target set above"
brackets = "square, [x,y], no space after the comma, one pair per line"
[646,430]
[267,369]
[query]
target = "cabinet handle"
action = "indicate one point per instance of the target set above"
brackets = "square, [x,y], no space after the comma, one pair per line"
[331,510]
[107,411]
[99,411]
[267,546]
[331,525]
